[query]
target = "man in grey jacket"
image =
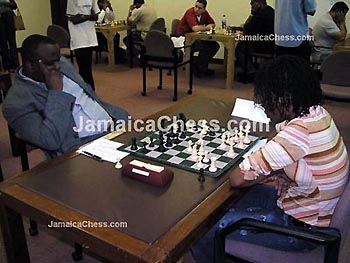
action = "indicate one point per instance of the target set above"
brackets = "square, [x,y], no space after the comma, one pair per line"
[50,106]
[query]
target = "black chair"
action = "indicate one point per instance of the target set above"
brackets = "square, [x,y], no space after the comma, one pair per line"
[20,149]
[158,24]
[62,37]
[158,51]
[326,251]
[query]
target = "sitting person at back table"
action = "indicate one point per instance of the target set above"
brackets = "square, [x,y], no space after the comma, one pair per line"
[50,106]
[329,29]
[140,18]
[197,19]
[109,17]
[260,23]
[307,159]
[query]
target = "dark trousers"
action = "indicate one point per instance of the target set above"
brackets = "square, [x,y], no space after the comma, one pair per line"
[259,203]
[303,50]
[84,60]
[207,50]
[8,44]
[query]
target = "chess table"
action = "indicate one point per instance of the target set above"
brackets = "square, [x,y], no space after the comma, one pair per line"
[162,223]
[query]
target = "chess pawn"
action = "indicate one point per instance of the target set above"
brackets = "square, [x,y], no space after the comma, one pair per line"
[241,144]
[118,165]
[246,139]
[194,155]
[231,152]
[223,138]
[200,164]
[206,159]
[236,137]
[201,149]
[213,167]
[189,148]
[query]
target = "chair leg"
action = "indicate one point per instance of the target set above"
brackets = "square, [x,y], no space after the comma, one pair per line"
[175,84]
[77,255]
[160,79]
[191,80]
[33,229]
[143,81]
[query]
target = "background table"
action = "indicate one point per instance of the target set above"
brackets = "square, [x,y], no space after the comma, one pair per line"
[109,31]
[229,43]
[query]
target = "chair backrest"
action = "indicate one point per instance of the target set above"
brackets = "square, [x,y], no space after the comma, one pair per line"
[158,24]
[335,69]
[59,34]
[158,44]
[341,215]
[174,25]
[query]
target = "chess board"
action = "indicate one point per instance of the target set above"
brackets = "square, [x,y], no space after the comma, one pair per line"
[178,156]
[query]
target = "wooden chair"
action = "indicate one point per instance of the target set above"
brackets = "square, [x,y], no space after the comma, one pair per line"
[62,37]
[19,149]
[158,51]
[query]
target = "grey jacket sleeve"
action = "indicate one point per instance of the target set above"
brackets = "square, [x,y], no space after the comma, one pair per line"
[44,125]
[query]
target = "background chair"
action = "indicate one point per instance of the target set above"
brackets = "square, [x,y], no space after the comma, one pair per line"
[335,75]
[62,37]
[20,149]
[327,251]
[158,24]
[158,51]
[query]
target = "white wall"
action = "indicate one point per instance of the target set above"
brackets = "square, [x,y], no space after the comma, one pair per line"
[36,16]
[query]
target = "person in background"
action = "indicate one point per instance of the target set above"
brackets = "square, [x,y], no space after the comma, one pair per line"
[260,23]
[197,19]
[108,17]
[291,27]
[307,160]
[140,18]
[329,30]
[8,44]
[82,16]
[49,104]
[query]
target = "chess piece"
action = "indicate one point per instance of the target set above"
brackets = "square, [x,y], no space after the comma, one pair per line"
[133,144]
[241,144]
[194,153]
[176,139]
[182,135]
[246,139]
[200,164]
[213,167]
[161,147]
[231,152]
[236,137]
[201,148]
[168,142]
[144,149]
[189,147]
[201,177]
[223,138]
[118,165]
[206,159]
[151,144]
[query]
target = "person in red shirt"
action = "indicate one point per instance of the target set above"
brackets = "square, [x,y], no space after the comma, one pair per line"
[198,19]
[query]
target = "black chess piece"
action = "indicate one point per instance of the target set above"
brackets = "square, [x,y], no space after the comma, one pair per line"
[182,117]
[168,142]
[211,133]
[183,135]
[151,144]
[176,139]
[161,147]
[201,177]
[144,149]
[133,144]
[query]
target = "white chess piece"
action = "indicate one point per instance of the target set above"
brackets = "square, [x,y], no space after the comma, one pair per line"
[200,164]
[241,144]
[200,140]
[189,147]
[206,159]
[194,155]
[118,165]
[246,139]
[231,152]
[213,167]
[223,138]
[201,149]
[236,137]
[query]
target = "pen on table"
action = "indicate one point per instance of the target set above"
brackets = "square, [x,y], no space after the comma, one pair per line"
[93,156]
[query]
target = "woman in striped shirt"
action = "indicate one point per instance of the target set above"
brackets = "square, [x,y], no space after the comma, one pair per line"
[307,160]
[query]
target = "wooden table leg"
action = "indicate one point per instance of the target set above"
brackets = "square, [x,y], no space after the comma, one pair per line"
[230,67]
[13,236]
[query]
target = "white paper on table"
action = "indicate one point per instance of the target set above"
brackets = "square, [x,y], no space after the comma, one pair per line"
[256,147]
[247,109]
[105,149]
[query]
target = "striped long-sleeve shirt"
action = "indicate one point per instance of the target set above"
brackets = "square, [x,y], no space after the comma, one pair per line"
[313,155]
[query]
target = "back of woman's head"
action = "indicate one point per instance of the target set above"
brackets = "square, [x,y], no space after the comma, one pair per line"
[287,81]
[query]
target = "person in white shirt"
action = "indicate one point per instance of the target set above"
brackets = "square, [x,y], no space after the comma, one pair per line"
[82,15]
[329,29]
